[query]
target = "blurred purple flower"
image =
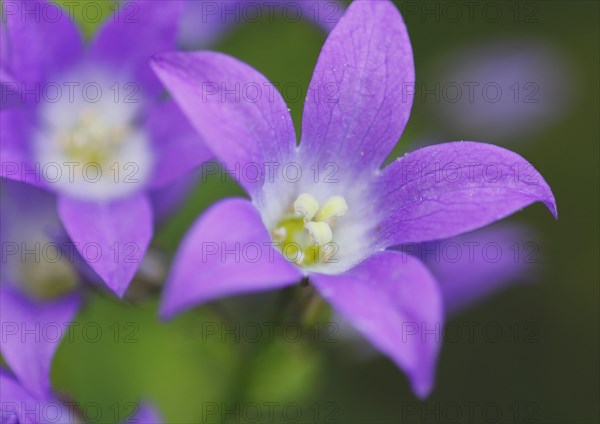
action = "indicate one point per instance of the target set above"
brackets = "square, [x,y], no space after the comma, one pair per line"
[38,298]
[31,332]
[32,329]
[502,90]
[474,265]
[468,268]
[20,406]
[335,229]
[92,126]
[38,258]
[204,22]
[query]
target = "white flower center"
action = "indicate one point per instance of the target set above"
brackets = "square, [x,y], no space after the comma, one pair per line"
[322,225]
[90,139]
[93,150]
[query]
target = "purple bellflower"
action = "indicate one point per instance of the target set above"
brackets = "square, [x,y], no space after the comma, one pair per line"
[90,124]
[32,329]
[19,406]
[468,269]
[473,266]
[203,23]
[325,210]
[518,87]
[38,300]
[31,332]
[39,282]
[38,259]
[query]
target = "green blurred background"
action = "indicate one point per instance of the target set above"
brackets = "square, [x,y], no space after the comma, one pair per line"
[544,369]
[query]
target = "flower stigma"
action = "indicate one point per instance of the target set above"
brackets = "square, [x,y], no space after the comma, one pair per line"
[90,139]
[306,233]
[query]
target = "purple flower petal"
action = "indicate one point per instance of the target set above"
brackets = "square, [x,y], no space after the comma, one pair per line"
[227,251]
[394,301]
[31,332]
[358,103]
[9,87]
[237,111]
[139,30]
[42,40]
[18,406]
[14,399]
[178,147]
[15,156]
[448,189]
[111,237]
[146,414]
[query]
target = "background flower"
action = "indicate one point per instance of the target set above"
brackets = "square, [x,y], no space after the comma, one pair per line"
[504,90]
[133,141]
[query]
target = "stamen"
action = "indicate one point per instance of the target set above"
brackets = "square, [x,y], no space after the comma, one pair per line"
[304,236]
[306,205]
[335,207]
[320,232]
[90,139]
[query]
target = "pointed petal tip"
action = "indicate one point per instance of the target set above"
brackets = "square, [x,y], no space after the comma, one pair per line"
[126,222]
[383,304]
[165,314]
[548,199]
[551,205]
[172,305]
[167,311]
[421,380]
[118,285]
[441,207]
[421,387]
[121,290]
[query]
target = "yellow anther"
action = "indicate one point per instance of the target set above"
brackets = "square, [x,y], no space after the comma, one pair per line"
[320,232]
[304,237]
[334,207]
[91,140]
[306,205]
